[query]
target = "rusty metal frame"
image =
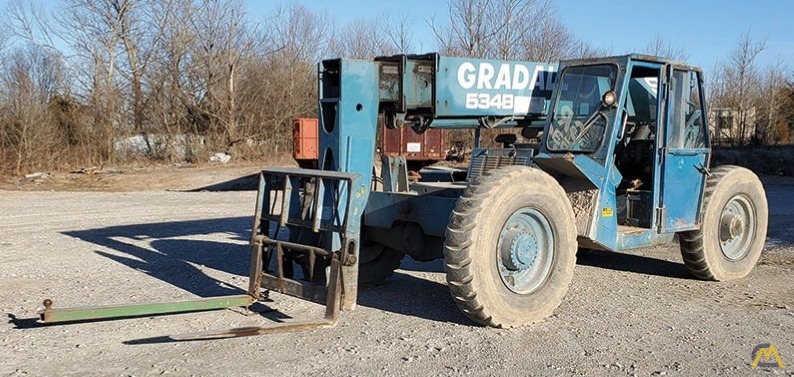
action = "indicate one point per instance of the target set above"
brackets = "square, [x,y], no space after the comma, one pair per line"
[334,298]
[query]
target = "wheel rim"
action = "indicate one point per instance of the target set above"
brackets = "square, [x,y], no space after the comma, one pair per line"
[525,251]
[737,227]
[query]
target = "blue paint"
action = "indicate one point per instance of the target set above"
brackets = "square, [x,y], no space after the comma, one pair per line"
[642,238]
[605,231]
[469,88]
[682,186]
[683,177]
[348,123]
[525,251]
[431,211]
[677,186]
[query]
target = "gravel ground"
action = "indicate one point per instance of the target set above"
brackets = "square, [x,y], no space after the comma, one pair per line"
[634,313]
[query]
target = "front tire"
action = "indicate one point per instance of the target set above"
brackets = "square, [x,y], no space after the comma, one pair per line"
[733,231]
[510,247]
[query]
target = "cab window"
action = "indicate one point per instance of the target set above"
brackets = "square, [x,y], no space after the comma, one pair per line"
[577,121]
[686,112]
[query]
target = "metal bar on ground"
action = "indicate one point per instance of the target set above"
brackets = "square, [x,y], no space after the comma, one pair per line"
[50,315]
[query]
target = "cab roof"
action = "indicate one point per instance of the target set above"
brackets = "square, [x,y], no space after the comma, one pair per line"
[631,57]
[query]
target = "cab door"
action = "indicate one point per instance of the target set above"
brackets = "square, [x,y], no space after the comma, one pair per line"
[685,153]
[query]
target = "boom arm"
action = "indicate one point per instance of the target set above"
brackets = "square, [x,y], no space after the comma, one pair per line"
[444,92]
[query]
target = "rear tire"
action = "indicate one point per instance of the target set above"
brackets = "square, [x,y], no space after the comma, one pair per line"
[510,247]
[733,231]
[377,263]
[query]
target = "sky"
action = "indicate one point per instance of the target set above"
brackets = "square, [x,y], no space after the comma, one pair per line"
[706,30]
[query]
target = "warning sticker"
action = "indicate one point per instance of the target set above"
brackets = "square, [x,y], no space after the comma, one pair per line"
[606,212]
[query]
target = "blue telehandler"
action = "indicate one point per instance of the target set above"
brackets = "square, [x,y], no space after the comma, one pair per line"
[607,153]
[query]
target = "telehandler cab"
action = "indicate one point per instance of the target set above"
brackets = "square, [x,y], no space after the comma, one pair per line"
[614,154]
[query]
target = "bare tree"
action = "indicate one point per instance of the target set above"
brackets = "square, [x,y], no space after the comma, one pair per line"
[787,104]
[581,49]
[399,32]
[300,34]
[745,77]
[286,73]
[549,40]
[171,108]
[141,27]
[507,29]
[772,104]
[28,22]
[467,32]
[32,77]
[200,76]
[735,88]
[5,35]
[224,41]
[512,26]
[362,38]
[92,29]
[659,47]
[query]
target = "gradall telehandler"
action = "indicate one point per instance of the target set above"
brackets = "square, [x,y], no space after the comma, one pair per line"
[614,155]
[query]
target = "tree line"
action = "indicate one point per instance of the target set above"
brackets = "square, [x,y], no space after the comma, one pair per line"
[95,82]
[751,105]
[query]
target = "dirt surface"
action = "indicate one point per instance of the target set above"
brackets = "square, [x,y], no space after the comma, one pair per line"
[637,313]
[129,178]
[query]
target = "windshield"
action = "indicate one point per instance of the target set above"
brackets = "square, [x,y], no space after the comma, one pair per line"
[578,122]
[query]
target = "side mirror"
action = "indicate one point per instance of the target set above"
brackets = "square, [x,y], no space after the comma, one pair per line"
[609,99]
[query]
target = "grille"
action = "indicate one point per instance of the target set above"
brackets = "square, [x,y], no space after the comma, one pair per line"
[483,160]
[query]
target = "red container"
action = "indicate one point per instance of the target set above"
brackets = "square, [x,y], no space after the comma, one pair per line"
[305,139]
[421,150]
[429,146]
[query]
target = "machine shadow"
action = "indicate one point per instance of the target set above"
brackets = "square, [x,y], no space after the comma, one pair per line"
[161,250]
[414,296]
[632,263]
[170,252]
[245,183]
[595,258]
